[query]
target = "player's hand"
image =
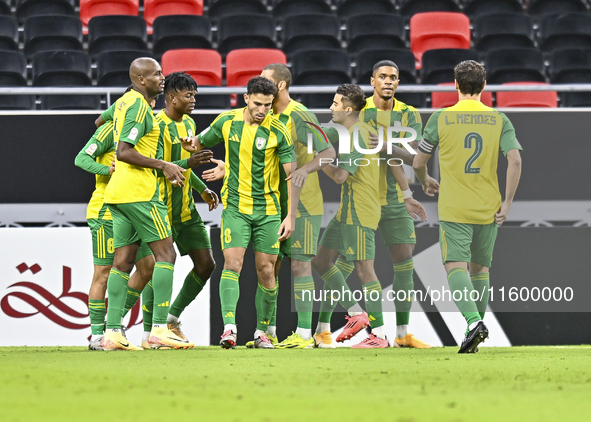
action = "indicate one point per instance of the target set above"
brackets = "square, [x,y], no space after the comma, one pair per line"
[298,177]
[415,209]
[174,173]
[199,158]
[430,186]
[112,166]
[285,229]
[502,214]
[189,144]
[373,142]
[211,198]
[215,173]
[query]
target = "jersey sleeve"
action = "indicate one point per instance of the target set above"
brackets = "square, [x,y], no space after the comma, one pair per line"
[305,123]
[430,135]
[508,139]
[197,183]
[100,143]
[285,149]
[414,122]
[108,114]
[134,126]
[212,135]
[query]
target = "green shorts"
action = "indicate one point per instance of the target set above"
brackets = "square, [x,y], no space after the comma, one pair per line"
[304,240]
[355,243]
[190,235]
[467,242]
[284,249]
[103,245]
[145,221]
[238,228]
[397,228]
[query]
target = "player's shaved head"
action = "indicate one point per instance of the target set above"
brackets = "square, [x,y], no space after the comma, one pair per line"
[382,63]
[141,66]
[280,73]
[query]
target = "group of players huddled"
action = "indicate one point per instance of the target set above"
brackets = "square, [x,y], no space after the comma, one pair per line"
[271,196]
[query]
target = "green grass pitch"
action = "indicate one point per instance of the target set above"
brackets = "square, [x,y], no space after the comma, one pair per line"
[206,384]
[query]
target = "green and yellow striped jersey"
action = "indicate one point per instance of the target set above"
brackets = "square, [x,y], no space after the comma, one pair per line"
[469,135]
[253,157]
[360,194]
[135,123]
[180,203]
[295,118]
[408,116]
[101,149]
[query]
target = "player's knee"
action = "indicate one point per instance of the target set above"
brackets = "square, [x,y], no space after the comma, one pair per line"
[266,271]
[233,265]
[319,266]
[205,270]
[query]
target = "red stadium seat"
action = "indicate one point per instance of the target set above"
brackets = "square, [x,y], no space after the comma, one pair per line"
[447,99]
[243,64]
[435,30]
[527,98]
[92,8]
[205,66]
[155,8]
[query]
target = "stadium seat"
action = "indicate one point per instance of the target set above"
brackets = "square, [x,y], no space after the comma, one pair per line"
[52,33]
[474,8]
[205,66]
[156,8]
[447,99]
[241,65]
[64,68]
[320,67]
[310,32]
[435,30]
[5,7]
[13,73]
[411,7]
[570,30]
[375,31]
[181,31]
[407,73]
[527,98]
[113,67]
[91,8]
[571,66]
[8,33]
[438,65]
[503,30]
[245,31]
[285,8]
[222,8]
[28,8]
[545,7]
[514,65]
[116,33]
[348,8]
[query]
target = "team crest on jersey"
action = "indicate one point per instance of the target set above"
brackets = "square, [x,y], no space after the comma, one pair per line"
[260,143]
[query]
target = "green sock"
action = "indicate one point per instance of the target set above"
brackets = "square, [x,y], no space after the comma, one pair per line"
[373,303]
[162,284]
[403,282]
[191,288]
[229,293]
[117,291]
[133,296]
[273,322]
[459,281]
[481,283]
[97,311]
[327,306]
[265,302]
[334,280]
[303,288]
[148,306]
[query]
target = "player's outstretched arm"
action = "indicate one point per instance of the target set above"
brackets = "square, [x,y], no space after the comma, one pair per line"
[513,176]
[419,165]
[127,154]
[216,173]
[336,173]
[299,176]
